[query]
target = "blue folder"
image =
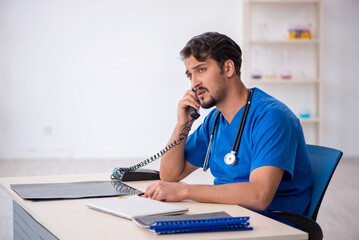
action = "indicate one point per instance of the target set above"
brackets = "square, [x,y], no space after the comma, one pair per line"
[202,225]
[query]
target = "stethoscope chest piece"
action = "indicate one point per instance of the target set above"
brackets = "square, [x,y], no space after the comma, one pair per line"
[230,158]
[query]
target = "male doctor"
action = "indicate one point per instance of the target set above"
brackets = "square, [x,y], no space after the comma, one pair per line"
[268,167]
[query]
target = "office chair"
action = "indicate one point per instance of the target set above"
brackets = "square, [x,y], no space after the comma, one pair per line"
[323,161]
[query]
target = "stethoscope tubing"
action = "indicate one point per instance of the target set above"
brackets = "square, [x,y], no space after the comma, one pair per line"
[243,122]
[230,158]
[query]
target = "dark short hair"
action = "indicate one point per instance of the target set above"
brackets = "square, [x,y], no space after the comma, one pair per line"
[216,46]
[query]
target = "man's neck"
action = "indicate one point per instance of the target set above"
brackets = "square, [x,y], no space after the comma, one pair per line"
[235,100]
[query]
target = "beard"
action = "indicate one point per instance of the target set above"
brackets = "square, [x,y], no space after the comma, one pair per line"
[210,103]
[214,99]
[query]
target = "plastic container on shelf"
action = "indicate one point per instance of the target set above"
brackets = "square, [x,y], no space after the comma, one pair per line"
[270,71]
[256,72]
[285,73]
[299,31]
[305,113]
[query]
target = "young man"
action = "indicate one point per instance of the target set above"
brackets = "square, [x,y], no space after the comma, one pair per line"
[268,167]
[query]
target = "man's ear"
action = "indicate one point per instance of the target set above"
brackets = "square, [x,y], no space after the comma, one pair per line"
[229,68]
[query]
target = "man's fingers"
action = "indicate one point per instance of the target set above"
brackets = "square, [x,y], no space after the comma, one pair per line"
[150,190]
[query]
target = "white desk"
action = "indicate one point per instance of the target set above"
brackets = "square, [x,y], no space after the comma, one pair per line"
[72,219]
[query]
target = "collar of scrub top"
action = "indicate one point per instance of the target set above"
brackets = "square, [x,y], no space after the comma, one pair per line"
[230,158]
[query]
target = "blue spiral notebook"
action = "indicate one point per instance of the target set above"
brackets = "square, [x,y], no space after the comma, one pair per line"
[202,225]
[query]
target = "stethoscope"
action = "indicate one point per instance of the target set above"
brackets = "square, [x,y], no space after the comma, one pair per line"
[230,158]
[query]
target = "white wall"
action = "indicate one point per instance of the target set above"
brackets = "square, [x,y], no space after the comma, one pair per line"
[97,79]
[101,79]
[341,75]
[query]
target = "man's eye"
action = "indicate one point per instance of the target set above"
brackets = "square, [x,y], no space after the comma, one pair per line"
[201,69]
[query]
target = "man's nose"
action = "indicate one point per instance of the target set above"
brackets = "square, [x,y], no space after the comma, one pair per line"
[195,83]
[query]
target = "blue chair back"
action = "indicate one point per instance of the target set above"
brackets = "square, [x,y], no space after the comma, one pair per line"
[323,160]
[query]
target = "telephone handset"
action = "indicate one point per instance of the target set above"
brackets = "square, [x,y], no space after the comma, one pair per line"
[135,174]
[192,111]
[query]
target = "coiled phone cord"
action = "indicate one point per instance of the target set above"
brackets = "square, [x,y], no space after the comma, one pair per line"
[184,133]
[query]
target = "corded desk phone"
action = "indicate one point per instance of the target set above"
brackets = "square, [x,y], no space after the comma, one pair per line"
[135,174]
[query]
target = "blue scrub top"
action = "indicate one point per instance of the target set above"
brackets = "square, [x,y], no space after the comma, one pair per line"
[272,136]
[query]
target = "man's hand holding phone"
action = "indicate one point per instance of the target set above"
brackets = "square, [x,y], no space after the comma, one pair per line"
[193,112]
[189,100]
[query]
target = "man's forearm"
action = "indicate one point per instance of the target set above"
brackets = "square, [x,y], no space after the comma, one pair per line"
[245,194]
[250,195]
[173,161]
[256,194]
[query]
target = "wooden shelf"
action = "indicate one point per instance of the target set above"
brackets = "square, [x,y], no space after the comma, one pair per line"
[284,1]
[266,48]
[284,81]
[281,41]
[309,120]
